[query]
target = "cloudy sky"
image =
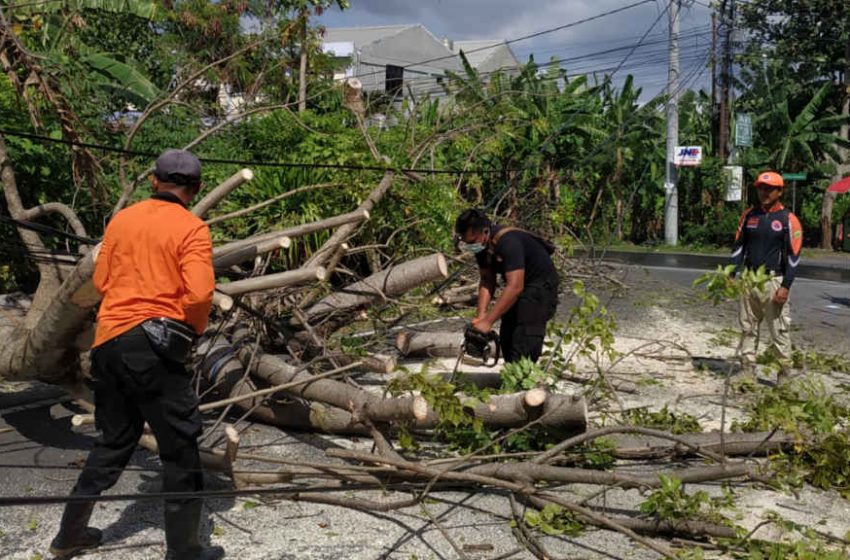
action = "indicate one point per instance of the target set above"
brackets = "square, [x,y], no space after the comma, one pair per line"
[580,47]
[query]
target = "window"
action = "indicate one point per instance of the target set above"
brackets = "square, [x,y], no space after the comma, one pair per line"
[394,80]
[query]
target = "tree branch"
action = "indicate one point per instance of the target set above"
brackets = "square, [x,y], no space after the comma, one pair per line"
[57,208]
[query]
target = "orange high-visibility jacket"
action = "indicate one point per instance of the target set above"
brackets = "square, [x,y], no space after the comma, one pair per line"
[155,261]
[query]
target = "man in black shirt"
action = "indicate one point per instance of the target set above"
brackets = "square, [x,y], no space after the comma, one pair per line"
[531,282]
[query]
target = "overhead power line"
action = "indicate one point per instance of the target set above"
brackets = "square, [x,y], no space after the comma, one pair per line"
[247,162]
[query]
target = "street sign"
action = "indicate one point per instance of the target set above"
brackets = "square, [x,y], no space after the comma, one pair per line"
[688,156]
[795,176]
[743,130]
[734,175]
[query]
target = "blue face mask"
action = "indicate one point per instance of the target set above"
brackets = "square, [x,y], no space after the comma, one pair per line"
[473,248]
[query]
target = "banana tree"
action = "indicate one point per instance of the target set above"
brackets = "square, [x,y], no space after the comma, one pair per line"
[537,126]
[630,128]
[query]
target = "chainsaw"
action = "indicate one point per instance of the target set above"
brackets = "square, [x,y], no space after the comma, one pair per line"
[476,344]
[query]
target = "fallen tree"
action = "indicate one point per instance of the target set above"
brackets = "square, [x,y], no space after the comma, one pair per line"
[394,281]
[247,371]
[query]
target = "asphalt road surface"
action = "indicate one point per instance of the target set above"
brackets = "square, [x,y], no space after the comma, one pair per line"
[35,430]
[820,310]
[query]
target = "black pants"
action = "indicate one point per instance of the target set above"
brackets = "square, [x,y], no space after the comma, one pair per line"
[524,325]
[133,385]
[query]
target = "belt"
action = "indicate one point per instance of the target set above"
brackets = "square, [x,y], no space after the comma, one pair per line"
[135,332]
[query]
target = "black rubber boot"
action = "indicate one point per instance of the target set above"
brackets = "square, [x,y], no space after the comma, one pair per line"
[181,533]
[74,534]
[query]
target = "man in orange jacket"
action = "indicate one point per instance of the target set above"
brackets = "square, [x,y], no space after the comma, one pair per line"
[768,235]
[155,273]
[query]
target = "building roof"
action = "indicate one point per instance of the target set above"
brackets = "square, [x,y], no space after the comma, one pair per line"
[363,35]
[488,55]
[477,51]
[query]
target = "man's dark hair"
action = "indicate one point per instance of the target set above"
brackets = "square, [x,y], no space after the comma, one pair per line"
[471,219]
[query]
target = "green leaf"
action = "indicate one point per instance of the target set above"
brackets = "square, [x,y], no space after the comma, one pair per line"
[124,76]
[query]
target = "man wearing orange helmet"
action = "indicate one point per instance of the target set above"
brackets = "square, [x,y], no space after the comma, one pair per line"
[769,235]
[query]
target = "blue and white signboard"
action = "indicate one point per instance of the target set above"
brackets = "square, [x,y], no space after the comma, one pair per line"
[688,156]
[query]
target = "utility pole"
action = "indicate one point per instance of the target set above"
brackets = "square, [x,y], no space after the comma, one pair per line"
[714,134]
[727,19]
[671,195]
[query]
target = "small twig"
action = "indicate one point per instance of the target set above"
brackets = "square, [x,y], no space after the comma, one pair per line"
[459,550]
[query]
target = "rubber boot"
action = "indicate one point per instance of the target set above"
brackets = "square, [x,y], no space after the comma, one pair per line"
[74,534]
[181,533]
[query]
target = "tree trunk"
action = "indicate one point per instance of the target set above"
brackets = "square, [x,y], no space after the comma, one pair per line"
[49,277]
[302,66]
[826,217]
[222,368]
[618,194]
[388,283]
[554,411]
[562,412]
[363,405]
[442,344]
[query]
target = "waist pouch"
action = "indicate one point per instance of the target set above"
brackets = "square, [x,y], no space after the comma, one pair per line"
[171,339]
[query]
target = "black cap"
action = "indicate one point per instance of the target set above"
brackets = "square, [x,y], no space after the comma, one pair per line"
[178,167]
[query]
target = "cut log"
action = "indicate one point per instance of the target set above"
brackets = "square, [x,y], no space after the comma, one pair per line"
[376,363]
[556,411]
[441,344]
[455,299]
[226,260]
[461,294]
[272,281]
[352,90]
[298,414]
[222,301]
[217,194]
[268,391]
[355,217]
[367,406]
[562,412]
[391,282]
[222,368]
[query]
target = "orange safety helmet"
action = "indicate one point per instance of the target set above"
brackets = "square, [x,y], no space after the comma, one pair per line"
[770,178]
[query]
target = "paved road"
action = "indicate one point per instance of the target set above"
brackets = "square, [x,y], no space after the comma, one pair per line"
[41,433]
[820,310]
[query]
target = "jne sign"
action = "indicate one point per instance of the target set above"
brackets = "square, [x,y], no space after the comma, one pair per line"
[688,156]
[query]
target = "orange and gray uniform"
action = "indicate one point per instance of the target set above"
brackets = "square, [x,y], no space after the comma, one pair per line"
[773,239]
[155,261]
